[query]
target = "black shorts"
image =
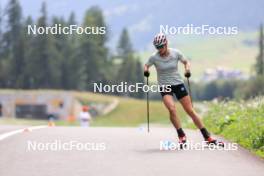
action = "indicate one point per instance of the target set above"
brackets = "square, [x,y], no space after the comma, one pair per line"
[179,91]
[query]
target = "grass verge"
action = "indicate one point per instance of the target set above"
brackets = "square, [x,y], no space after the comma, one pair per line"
[132,112]
[241,122]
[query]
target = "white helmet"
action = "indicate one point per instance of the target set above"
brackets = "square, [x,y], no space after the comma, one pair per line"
[160,40]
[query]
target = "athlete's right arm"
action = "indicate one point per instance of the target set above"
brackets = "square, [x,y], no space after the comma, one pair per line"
[146,67]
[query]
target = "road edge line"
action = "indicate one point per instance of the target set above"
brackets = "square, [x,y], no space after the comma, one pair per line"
[12,133]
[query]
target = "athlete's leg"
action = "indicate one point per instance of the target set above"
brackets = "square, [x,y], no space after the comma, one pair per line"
[168,101]
[175,120]
[170,105]
[187,106]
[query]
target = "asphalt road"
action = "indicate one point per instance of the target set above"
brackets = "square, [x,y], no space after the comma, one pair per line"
[116,152]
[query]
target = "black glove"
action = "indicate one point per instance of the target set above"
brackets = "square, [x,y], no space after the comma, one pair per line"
[187,74]
[146,73]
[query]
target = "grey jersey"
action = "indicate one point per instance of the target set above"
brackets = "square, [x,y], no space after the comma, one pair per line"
[167,67]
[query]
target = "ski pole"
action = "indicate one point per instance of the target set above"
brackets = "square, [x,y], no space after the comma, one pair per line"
[189,90]
[148,106]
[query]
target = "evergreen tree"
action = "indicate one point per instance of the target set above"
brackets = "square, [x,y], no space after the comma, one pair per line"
[15,44]
[29,45]
[61,61]
[4,62]
[124,51]
[61,51]
[2,78]
[45,71]
[1,19]
[92,51]
[72,21]
[210,91]
[124,47]
[130,69]
[75,67]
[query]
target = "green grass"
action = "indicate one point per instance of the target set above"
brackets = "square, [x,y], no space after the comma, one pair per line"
[93,97]
[241,122]
[132,112]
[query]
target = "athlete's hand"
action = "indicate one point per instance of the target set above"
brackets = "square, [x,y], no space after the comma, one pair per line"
[187,74]
[146,73]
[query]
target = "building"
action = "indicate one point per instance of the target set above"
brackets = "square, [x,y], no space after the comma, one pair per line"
[39,105]
[223,73]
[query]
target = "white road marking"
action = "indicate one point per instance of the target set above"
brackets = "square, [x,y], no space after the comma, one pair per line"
[11,133]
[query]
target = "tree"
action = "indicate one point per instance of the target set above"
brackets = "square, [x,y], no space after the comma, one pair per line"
[251,88]
[92,51]
[67,61]
[44,63]
[260,58]
[124,47]
[29,45]
[1,19]
[210,91]
[130,70]
[14,40]
[62,53]
[2,71]
[73,61]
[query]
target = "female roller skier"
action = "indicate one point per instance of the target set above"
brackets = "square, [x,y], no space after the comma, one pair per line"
[165,61]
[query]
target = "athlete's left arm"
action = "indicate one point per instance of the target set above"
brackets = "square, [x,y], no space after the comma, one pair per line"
[184,61]
[186,64]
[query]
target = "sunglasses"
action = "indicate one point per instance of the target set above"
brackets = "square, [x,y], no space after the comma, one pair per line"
[160,47]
